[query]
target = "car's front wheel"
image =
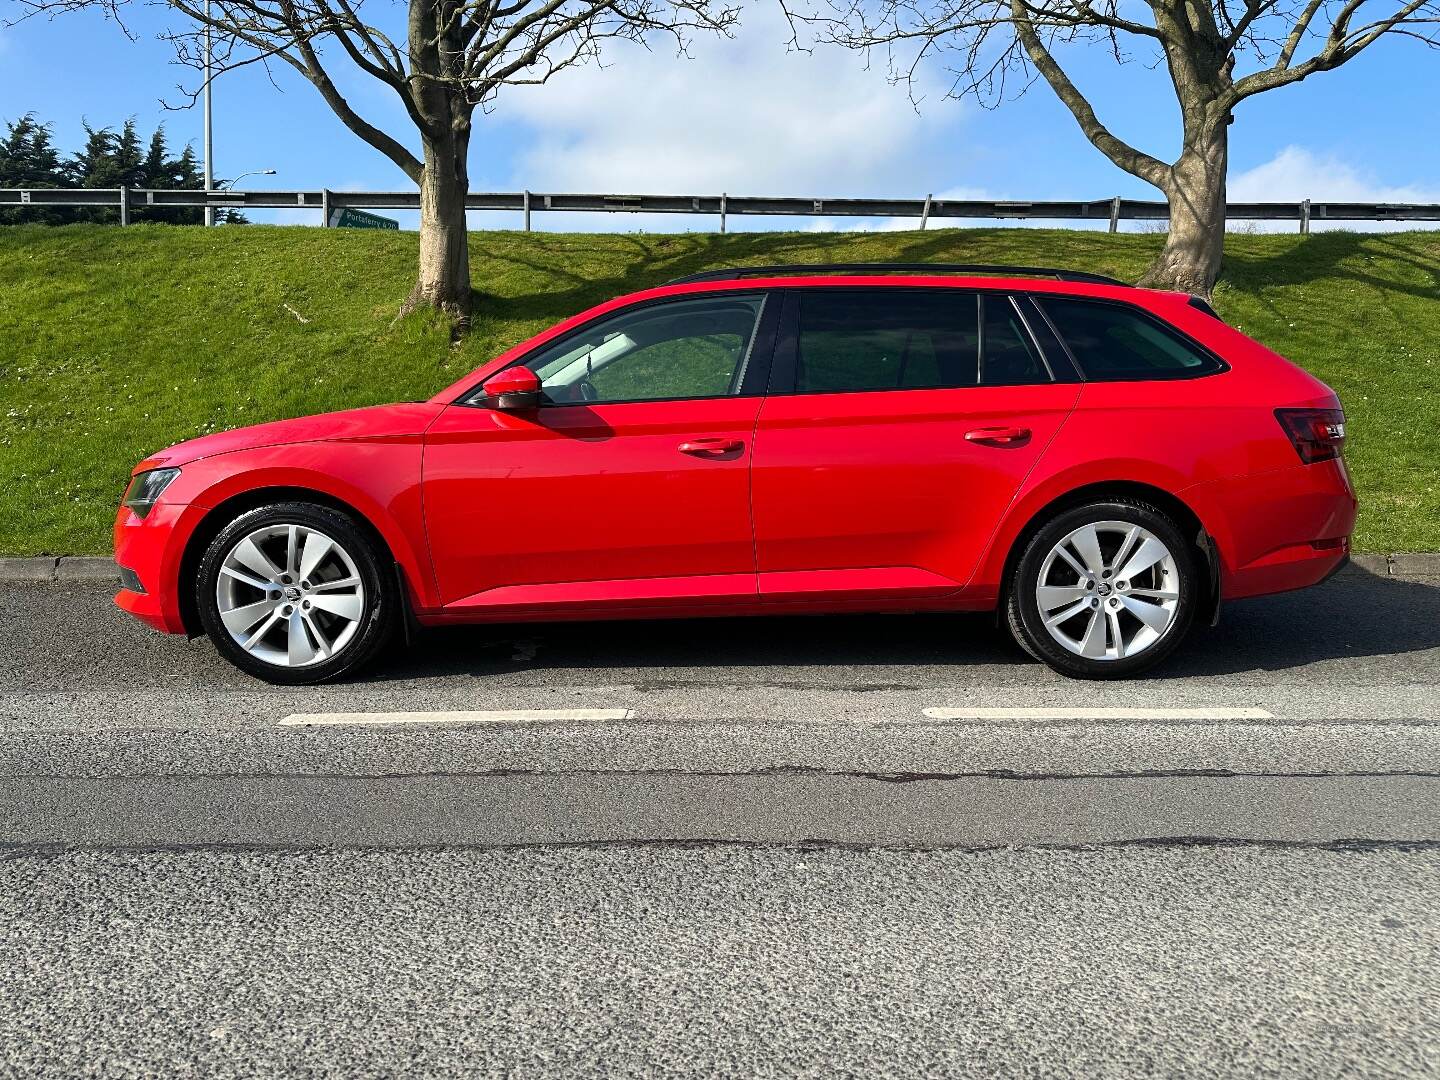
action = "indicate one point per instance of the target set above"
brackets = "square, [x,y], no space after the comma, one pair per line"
[295,593]
[1103,591]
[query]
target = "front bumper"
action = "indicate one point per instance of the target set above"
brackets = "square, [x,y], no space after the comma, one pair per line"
[152,548]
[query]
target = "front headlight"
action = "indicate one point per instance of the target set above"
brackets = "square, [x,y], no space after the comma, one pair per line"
[145,488]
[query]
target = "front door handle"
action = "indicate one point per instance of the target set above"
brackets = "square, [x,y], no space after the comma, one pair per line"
[710,447]
[998,436]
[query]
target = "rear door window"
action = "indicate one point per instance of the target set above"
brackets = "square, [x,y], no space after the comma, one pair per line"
[1116,342]
[886,339]
[1008,356]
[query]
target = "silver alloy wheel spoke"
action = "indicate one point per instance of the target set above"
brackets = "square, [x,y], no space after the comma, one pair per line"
[1156,594]
[248,555]
[1152,615]
[300,650]
[251,640]
[239,620]
[1054,596]
[1068,614]
[1086,541]
[319,638]
[1078,566]
[347,606]
[1108,590]
[327,586]
[1093,644]
[241,575]
[1146,555]
[1117,636]
[290,595]
[292,554]
[316,547]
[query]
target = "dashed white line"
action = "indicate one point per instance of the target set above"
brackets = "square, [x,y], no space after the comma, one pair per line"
[541,716]
[480,716]
[1061,713]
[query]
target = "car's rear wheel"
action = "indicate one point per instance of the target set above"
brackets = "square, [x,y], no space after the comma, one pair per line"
[1104,590]
[295,593]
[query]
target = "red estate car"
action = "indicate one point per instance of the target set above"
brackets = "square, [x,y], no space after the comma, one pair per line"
[1100,463]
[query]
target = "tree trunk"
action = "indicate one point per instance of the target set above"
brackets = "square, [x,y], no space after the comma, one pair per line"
[444,281]
[1190,260]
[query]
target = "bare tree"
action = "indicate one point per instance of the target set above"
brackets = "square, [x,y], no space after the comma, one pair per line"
[1217,52]
[443,58]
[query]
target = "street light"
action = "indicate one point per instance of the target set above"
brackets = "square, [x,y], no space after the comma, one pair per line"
[229,185]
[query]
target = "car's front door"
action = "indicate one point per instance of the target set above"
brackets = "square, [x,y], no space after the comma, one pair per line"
[900,424]
[628,487]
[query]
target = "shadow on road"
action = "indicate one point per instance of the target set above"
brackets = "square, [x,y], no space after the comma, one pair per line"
[1355,615]
[59,638]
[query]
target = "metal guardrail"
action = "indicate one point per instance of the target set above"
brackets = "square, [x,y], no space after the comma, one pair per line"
[527,203]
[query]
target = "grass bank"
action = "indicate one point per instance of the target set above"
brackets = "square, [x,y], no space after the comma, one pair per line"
[117,342]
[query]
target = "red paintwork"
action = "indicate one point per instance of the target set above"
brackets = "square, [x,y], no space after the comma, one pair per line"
[888,480]
[508,507]
[820,502]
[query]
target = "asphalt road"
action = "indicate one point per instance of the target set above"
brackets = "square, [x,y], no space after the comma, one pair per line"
[733,961]
[763,730]
[783,860]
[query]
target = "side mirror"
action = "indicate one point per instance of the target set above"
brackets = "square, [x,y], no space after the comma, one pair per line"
[515,389]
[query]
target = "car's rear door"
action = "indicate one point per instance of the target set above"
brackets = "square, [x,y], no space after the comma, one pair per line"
[628,487]
[901,422]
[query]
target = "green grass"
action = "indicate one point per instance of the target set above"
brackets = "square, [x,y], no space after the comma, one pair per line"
[117,342]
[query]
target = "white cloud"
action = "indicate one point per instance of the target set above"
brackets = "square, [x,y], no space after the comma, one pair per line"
[1296,173]
[741,117]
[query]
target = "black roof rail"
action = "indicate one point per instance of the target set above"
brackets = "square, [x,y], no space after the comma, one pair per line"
[735,272]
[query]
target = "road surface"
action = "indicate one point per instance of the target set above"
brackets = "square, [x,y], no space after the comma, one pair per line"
[846,846]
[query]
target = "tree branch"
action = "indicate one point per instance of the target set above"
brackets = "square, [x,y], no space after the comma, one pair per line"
[1133,161]
[1341,44]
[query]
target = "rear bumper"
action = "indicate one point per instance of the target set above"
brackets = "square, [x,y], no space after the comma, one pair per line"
[152,548]
[1279,530]
[1295,567]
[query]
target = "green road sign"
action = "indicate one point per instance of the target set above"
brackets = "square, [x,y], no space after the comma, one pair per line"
[360,219]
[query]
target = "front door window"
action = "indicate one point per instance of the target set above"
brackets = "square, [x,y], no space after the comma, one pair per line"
[682,349]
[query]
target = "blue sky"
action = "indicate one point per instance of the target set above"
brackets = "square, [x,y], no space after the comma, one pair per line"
[743,116]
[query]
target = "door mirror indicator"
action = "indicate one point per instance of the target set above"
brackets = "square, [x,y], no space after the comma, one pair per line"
[515,389]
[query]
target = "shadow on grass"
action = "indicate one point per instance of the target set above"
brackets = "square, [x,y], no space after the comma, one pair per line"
[1362,258]
[1375,260]
[651,260]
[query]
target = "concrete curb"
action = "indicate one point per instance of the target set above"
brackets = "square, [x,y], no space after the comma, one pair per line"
[59,568]
[1405,564]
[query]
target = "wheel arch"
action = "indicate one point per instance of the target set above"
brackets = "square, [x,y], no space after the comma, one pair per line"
[231,507]
[1183,514]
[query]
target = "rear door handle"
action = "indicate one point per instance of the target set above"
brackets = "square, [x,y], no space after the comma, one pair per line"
[710,447]
[998,436]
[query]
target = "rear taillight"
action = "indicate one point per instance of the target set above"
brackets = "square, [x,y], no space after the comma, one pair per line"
[1316,434]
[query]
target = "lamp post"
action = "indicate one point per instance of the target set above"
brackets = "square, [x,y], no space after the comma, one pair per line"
[209,142]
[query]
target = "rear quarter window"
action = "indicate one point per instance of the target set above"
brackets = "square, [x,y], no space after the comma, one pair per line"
[1116,342]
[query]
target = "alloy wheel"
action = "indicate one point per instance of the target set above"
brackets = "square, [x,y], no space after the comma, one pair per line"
[290,595]
[1108,590]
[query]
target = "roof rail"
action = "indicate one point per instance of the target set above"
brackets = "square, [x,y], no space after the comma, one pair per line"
[735,272]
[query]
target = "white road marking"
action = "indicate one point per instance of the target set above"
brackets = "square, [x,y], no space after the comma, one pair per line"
[1098,714]
[481,716]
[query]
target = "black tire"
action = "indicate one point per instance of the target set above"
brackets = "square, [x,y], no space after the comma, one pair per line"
[379,606]
[1022,609]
